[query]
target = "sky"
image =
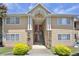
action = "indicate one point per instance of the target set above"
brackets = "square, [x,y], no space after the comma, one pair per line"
[58,8]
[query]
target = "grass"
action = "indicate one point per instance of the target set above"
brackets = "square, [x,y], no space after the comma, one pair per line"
[5,50]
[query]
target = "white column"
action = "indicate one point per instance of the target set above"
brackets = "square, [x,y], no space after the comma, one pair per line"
[30,23]
[48,23]
[48,28]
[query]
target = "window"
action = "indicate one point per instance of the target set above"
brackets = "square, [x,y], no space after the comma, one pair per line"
[63,36]
[12,20]
[63,21]
[12,37]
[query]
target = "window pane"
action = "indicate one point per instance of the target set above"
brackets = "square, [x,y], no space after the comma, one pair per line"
[8,20]
[63,21]
[12,20]
[59,36]
[64,37]
[68,36]
[17,36]
[59,21]
[12,37]
[7,37]
[17,20]
[68,21]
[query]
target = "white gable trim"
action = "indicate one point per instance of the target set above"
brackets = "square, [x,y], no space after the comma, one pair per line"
[42,6]
[31,9]
[46,9]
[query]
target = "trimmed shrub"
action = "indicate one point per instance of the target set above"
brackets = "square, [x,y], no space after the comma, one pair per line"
[21,49]
[62,50]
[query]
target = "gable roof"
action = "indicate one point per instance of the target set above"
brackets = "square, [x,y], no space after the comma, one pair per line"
[41,6]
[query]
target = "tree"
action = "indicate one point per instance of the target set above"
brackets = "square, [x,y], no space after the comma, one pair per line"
[3,10]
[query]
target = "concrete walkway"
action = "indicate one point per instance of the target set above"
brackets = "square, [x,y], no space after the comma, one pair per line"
[40,50]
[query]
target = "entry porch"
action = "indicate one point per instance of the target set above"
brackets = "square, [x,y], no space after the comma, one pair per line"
[39,30]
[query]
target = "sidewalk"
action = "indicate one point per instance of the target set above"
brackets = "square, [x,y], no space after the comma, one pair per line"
[40,50]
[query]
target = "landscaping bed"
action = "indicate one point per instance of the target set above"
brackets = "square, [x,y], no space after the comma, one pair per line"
[8,51]
[75,51]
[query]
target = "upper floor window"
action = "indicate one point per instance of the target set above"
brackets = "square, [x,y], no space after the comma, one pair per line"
[63,21]
[12,20]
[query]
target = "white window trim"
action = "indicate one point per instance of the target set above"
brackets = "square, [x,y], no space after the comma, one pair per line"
[61,19]
[64,34]
[10,19]
[10,36]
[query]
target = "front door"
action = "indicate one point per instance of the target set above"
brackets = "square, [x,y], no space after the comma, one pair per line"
[38,34]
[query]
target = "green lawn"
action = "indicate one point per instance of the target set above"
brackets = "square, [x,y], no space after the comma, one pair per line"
[5,50]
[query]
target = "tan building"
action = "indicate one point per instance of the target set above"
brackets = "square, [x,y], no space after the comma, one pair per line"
[39,26]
